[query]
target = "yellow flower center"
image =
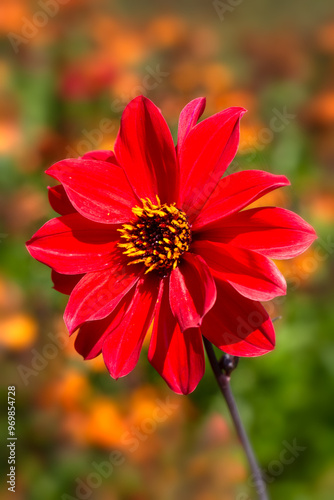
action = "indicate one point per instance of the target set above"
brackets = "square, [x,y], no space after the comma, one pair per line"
[157,237]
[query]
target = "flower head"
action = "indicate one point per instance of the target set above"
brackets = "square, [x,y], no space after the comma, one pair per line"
[153,233]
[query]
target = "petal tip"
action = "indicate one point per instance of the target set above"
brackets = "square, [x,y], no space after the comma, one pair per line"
[51,171]
[239,110]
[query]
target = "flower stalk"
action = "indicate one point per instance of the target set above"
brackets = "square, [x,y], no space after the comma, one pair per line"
[222,370]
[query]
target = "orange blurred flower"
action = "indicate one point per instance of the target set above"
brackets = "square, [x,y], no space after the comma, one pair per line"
[25,207]
[11,297]
[280,197]
[10,136]
[216,78]
[242,98]
[204,42]
[325,38]
[12,12]
[321,109]
[127,85]
[70,391]
[185,76]
[166,31]
[127,48]
[299,269]
[18,331]
[250,137]
[142,404]
[104,424]
[321,206]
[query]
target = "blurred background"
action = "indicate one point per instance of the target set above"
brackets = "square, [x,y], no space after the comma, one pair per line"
[67,70]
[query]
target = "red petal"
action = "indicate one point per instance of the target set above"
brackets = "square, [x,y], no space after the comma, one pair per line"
[250,273]
[273,232]
[74,245]
[144,148]
[122,347]
[92,334]
[59,201]
[101,155]
[237,325]
[207,151]
[235,192]
[97,295]
[97,189]
[188,119]
[192,291]
[177,356]
[64,283]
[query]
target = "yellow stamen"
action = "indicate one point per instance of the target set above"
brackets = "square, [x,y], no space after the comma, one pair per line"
[159,235]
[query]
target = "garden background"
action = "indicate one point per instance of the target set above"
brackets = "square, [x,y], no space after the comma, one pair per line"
[67,70]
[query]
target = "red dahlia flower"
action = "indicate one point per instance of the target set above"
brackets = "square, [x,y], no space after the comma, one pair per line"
[154,233]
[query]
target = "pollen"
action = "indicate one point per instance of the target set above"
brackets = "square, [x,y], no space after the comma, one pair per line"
[158,236]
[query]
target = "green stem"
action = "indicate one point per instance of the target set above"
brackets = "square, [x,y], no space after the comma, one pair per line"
[223,379]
